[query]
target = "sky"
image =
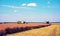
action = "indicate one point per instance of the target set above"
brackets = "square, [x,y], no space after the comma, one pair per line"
[30,10]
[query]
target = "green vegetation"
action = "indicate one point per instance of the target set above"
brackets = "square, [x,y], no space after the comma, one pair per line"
[20,22]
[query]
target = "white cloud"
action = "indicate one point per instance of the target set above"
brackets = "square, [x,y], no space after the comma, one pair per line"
[24,4]
[29,4]
[11,6]
[32,4]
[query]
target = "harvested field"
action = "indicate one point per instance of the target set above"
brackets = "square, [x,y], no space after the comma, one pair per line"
[52,30]
[13,28]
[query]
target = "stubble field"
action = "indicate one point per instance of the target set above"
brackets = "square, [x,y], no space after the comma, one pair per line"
[52,30]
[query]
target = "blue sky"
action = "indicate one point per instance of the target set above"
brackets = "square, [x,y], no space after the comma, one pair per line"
[30,10]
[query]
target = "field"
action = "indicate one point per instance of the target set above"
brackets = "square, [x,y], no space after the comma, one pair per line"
[52,30]
[10,28]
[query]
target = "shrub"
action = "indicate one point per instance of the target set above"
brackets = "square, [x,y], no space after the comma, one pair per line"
[19,22]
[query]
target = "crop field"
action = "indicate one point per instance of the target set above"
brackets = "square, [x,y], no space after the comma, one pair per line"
[10,28]
[52,30]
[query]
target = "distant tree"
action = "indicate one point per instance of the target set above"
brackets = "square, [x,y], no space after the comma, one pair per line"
[19,22]
[22,22]
[47,22]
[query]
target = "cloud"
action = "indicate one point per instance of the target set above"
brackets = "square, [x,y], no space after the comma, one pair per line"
[29,4]
[32,4]
[24,4]
[11,6]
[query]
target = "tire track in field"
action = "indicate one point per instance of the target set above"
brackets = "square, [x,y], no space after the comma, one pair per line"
[58,30]
[55,31]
